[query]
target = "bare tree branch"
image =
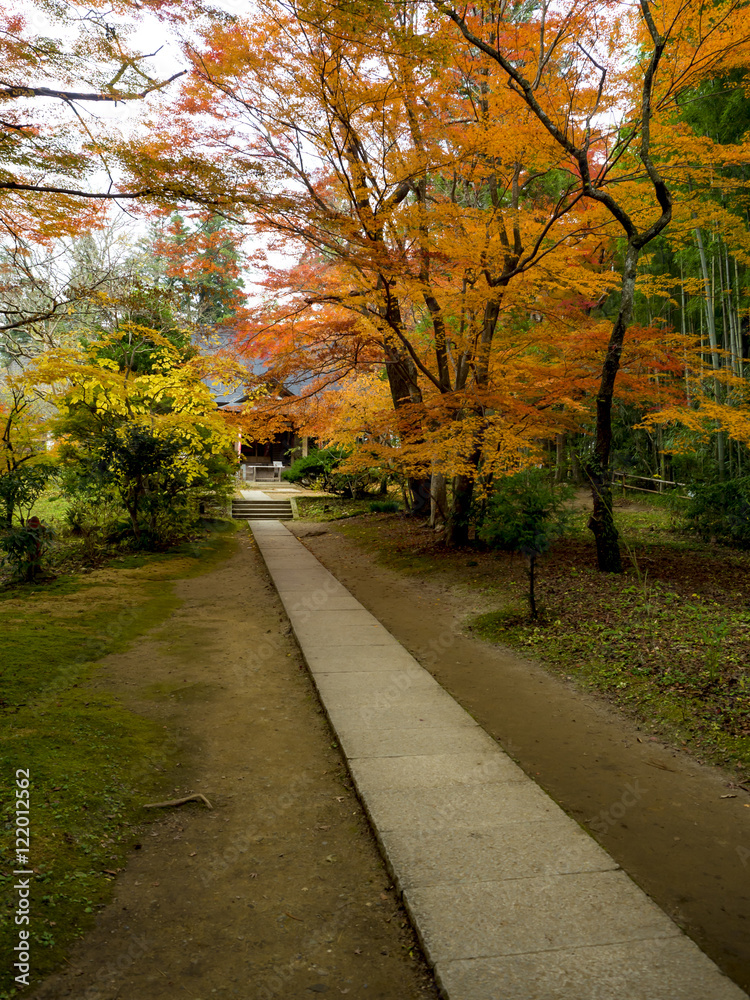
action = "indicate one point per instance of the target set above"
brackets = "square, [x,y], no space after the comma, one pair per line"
[20,90]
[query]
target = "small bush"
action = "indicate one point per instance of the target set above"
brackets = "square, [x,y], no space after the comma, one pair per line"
[25,547]
[384,506]
[89,511]
[321,470]
[525,514]
[721,511]
[20,489]
[312,468]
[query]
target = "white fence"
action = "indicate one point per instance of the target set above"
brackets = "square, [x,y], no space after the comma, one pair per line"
[268,472]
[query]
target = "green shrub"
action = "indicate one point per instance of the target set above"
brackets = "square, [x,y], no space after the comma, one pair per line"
[316,466]
[384,506]
[149,488]
[525,514]
[20,488]
[721,511]
[24,549]
[90,508]
[320,470]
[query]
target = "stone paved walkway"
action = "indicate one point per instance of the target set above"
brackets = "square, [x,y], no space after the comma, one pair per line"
[512,900]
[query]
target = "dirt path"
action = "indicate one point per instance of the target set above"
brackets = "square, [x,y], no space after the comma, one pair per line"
[682,830]
[278,891]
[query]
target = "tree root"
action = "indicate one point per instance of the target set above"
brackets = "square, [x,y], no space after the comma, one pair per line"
[197,797]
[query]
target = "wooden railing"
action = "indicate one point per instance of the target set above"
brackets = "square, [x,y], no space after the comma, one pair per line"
[661,485]
[259,472]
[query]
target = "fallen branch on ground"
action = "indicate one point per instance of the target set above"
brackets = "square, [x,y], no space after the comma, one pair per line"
[179,802]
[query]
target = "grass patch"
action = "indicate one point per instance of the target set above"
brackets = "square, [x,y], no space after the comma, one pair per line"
[331,508]
[668,640]
[92,762]
[401,546]
[50,508]
[676,662]
[384,506]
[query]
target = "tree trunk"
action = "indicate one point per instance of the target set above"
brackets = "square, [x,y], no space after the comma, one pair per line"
[575,467]
[602,524]
[438,500]
[560,463]
[457,530]
[402,379]
[131,506]
[531,560]
[419,490]
[601,521]
[720,455]
[708,287]
[462,505]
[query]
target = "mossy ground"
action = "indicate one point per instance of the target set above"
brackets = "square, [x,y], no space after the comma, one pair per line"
[91,760]
[330,508]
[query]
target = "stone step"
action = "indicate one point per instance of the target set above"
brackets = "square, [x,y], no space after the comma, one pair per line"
[288,516]
[260,504]
[262,510]
[263,517]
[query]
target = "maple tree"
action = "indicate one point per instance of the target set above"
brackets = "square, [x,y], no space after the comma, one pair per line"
[446,220]
[66,57]
[369,143]
[576,77]
[200,266]
[420,190]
